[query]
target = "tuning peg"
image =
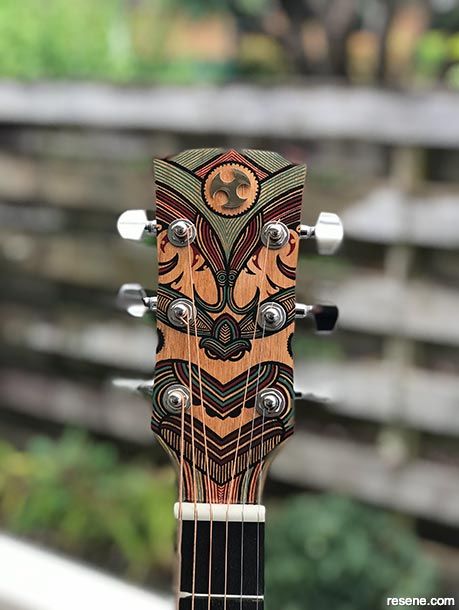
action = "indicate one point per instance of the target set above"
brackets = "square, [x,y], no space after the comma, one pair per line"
[328,232]
[323,400]
[137,386]
[134,299]
[324,316]
[134,224]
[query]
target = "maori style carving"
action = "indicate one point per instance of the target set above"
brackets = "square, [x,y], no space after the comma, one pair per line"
[223,356]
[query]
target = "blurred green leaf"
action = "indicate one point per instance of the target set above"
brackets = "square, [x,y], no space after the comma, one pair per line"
[432,52]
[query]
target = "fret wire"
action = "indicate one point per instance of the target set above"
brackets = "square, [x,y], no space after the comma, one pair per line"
[184,595]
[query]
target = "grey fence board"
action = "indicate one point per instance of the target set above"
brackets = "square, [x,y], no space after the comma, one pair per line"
[387,216]
[420,488]
[288,112]
[101,408]
[428,400]
[101,261]
[96,339]
[380,304]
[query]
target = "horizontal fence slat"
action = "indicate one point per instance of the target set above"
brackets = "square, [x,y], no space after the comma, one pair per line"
[335,112]
[421,488]
[68,184]
[92,261]
[423,399]
[382,305]
[94,339]
[99,408]
[387,216]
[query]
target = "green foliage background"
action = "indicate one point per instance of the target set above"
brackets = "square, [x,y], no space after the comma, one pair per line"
[124,41]
[107,39]
[323,552]
[76,495]
[329,552]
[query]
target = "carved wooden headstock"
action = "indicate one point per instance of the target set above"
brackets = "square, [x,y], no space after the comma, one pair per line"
[228,230]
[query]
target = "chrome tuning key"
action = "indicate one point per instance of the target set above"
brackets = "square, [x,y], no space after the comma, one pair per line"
[135,225]
[144,387]
[134,299]
[328,233]
[324,316]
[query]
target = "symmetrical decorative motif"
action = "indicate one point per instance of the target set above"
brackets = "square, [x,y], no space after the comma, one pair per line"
[223,355]
[230,189]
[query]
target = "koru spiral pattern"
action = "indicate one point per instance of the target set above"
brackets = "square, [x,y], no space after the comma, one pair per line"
[225,358]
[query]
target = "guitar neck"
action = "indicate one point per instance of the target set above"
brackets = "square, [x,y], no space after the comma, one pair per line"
[221,557]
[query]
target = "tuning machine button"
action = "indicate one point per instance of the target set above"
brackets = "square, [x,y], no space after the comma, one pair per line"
[135,225]
[324,316]
[328,232]
[134,299]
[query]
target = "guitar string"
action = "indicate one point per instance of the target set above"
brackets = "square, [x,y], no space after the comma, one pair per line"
[193,447]
[243,501]
[259,495]
[260,481]
[230,492]
[254,417]
[249,458]
[193,465]
[180,515]
[180,511]
[203,417]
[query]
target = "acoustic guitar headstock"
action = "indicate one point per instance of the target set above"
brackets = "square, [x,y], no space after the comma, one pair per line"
[228,230]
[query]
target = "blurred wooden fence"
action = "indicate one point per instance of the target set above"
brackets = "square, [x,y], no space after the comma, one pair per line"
[73,157]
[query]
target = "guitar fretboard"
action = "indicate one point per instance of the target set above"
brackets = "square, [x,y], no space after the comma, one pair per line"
[222,565]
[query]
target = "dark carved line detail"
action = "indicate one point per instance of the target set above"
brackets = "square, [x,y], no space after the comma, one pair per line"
[160,344]
[285,269]
[221,400]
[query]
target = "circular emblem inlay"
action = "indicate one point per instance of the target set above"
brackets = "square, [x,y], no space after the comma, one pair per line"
[231,189]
